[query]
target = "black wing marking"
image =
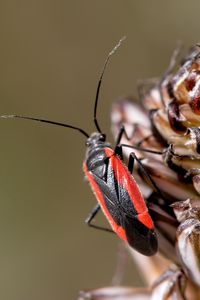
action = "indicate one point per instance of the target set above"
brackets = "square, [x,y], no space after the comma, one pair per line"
[123,213]
[124,198]
[116,198]
[107,190]
[140,237]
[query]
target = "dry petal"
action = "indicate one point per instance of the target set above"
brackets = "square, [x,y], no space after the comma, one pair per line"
[170,286]
[188,240]
[115,293]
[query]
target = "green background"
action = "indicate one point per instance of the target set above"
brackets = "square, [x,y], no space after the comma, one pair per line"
[51,54]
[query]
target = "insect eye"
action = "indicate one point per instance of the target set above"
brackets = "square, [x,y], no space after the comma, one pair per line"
[102,137]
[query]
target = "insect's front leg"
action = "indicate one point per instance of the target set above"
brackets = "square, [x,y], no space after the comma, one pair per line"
[118,147]
[123,131]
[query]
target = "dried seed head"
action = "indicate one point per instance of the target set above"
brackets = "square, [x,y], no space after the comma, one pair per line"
[168,123]
[188,239]
[175,117]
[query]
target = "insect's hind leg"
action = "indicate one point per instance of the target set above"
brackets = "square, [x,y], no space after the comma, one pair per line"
[92,215]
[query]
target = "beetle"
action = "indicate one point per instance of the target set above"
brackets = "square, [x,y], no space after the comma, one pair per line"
[117,192]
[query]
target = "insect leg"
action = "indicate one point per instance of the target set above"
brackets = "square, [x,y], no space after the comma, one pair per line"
[118,151]
[131,162]
[118,147]
[122,130]
[132,158]
[92,215]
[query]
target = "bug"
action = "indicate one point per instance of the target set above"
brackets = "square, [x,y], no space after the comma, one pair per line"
[116,190]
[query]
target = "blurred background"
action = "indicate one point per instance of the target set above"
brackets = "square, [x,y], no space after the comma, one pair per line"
[51,55]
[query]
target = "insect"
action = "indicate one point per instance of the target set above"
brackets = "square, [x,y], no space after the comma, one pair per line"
[112,182]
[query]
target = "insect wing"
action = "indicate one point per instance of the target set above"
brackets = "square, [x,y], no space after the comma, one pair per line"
[135,220]
[123,205]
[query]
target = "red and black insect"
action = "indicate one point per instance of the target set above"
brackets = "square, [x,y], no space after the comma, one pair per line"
[117,192]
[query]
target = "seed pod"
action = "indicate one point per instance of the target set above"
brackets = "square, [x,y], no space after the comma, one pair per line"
[188,238]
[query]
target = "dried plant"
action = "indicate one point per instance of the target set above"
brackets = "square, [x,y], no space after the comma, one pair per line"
[167,121]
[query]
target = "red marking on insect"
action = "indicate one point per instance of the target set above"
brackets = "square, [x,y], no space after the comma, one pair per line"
[100,197]
[127,181]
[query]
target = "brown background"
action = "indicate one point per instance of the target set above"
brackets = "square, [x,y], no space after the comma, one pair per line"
[51,54]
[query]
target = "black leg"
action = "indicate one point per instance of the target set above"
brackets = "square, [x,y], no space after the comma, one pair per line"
[131,163]
[118,147]
[121,132]
[142,168]
[118,151]
[92,215]
[141,149]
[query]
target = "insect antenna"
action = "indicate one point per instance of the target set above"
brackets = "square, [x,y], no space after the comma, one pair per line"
[46,121]
[100,81]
